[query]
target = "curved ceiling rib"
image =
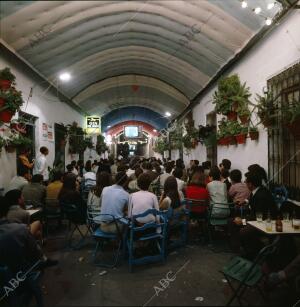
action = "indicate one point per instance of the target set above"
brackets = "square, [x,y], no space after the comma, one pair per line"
[181,43]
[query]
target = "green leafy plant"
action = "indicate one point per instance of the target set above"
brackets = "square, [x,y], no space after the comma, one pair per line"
[101,146]
[18,140]
[5,74]
[2,143]
[266,108]
[89,142]
[291,113]
[76,136]
[230,95]
[161,145]
[12,100]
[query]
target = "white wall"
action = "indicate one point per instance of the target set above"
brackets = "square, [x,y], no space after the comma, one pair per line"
[45,106]
[279,50]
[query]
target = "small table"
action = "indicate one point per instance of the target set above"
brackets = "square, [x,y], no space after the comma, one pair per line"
[33,211]
[287,228]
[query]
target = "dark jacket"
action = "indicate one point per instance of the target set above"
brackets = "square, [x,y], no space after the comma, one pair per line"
[262,201]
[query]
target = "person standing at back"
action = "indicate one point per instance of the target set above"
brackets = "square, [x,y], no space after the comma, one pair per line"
[40,165]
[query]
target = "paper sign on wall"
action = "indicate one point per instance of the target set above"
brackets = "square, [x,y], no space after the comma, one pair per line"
[93,124]
[47,132]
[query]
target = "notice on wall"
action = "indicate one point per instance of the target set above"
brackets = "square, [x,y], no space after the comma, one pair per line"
[93,124]
[48,132]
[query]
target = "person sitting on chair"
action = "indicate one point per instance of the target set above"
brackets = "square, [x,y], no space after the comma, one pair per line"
[133,185]
[114,202]
[238,191]
[18,182]
[143,200]
[55,186]
[16,212]
[89,177]
[35,191]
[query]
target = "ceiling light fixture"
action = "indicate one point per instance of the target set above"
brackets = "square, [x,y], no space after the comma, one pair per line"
[268,21]
[270,5]
[168,114]
[244,4]
[65,76]
[257,10]
[154,130]
[108,126]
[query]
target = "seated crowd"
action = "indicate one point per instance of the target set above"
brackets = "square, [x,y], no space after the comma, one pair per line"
[124,188]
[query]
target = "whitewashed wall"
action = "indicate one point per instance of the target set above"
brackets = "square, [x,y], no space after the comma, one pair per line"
[46,107]
[279,50]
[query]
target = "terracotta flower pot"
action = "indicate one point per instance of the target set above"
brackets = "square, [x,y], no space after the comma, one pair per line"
[232,116]
[267,122]
[2,102]
[294,128]
[223,141]
[253,135]
[244,119]
[5,116]
[5,84]
[10,149]
[235,106]
[232,140]
[241,138]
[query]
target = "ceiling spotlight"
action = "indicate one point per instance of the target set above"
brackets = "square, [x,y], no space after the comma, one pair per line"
[108,126]
[257,10]
[65,76]
[168,114]
[270,5]
[268,21]
[154,130]
[244,4]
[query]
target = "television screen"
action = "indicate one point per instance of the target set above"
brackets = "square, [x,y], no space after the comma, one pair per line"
[131,131]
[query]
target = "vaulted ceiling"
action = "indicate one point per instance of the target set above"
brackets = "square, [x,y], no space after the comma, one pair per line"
[153,54]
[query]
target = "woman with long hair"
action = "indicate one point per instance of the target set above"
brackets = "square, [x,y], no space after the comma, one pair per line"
[103,180]
[171,197]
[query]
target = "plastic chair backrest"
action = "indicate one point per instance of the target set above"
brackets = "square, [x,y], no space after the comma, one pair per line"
[280,195]
[267,251]
[190,203]
[162,220]
[223,210]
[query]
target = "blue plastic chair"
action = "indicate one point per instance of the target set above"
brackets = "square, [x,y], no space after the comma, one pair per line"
[280,195]
[137,233]
[177,221]
[218,215]
[103,237]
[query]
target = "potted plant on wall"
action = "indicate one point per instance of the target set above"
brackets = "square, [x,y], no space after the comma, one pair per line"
[10,102]
[6,78]
[17,141]
[253,133]
[76,138]
[101,146]
[291,117]
[2,143]
[230,96]
[244,114]
[241,134]
[266,109]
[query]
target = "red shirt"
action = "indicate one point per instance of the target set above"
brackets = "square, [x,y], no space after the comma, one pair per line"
[196,192]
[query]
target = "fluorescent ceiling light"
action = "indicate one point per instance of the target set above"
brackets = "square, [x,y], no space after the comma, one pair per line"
[270,5]
[244,4]
[65,76]
[168,114]
[257,10]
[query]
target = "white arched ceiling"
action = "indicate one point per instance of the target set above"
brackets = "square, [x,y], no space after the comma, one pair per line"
[180,44]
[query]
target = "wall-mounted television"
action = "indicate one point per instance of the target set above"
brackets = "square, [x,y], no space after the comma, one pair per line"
[132,131]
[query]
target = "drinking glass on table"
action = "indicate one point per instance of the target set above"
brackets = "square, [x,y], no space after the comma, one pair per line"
[259,217]
[269,225]
[286,217]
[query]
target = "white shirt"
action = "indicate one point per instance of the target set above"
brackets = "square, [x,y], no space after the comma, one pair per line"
[140,202]
[17,183]
[180,184]
[163,178]
[89,178]
[217,191]
[130,172]
[41,167]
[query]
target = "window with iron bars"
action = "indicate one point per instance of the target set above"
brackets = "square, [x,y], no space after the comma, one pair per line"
[283,146]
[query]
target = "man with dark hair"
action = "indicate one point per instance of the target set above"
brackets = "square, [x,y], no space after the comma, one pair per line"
[149,170]
[17,213]
[143,200]
[163,177]
[114,202]
[238,191]
[35,191]
[224,177]
[260,200]
[40,164]
[225,164]
[178,173]
[18,182]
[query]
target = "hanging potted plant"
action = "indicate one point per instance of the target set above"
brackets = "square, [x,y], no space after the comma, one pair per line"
[76,138]
[89,142]
[10,102]
[6,78]
[101,146]
[244,114]
[231,95]
[17,141]
[266,109]
[240,134]
[253,133]
[291,117]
